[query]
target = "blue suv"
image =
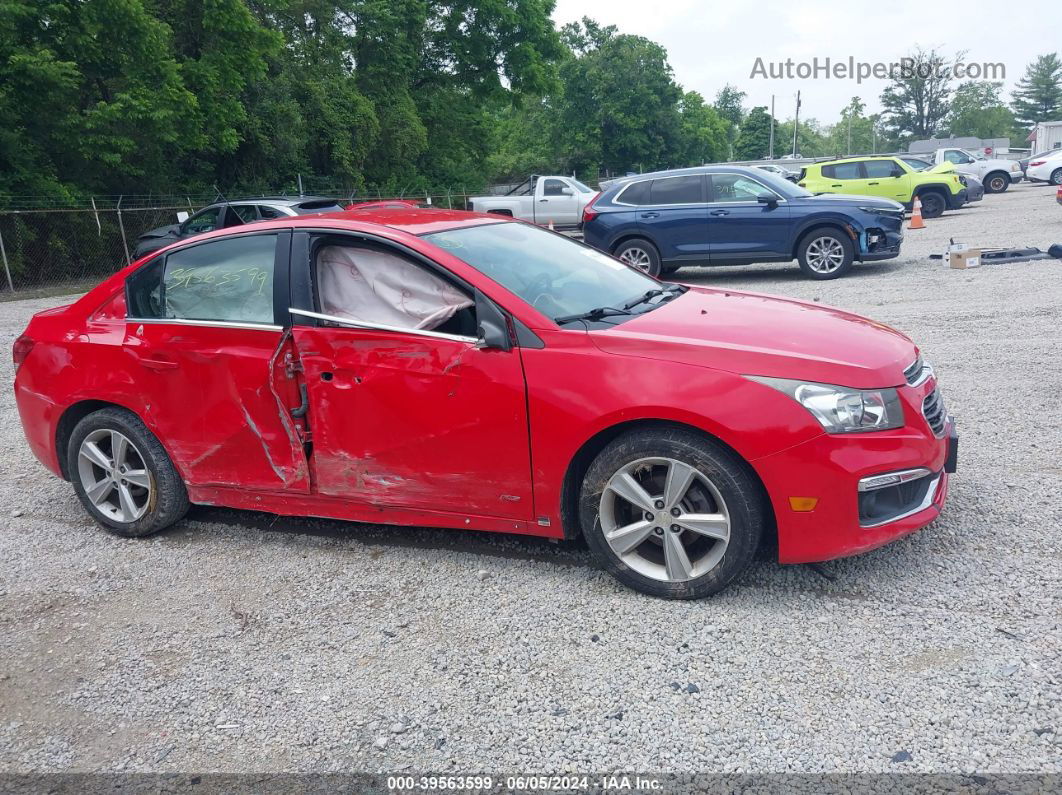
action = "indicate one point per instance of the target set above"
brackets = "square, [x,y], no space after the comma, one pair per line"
[729,215]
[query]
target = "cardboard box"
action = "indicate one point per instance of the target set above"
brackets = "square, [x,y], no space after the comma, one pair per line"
[964,258]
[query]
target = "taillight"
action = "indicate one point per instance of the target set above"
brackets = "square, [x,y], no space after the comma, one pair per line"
[1037,163]
[21,349]
[589,213]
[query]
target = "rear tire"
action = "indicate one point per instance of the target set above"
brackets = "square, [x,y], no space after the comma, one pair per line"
[640,254]
[1056,176]
[678,476]
[933,204]
[997,182]
[123,476]
[825,254]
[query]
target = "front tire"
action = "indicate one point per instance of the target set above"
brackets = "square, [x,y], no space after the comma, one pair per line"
[996,182]
[825,254]
[670,513]
[122,475]
[640,254]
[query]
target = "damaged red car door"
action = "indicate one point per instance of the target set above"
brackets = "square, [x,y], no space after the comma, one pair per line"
[413,418]
[202,333]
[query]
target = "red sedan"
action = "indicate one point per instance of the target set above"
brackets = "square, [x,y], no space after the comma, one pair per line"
[441,368]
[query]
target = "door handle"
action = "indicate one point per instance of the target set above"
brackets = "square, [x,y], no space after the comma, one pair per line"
[720,212]
[158,364]
[650,215]
[872,183]
[837,186]
[543,200]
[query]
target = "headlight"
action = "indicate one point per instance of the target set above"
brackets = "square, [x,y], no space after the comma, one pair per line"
[840,409]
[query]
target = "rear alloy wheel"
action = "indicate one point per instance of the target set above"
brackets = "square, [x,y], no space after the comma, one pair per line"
[825,254]
[640,254]
[670,513]
[997,183]
[933,205]
[122,475]
[1056,176]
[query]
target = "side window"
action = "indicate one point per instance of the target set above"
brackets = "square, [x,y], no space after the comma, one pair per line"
[635,193]
[266,211]
[554,187]
[229,280]
[677,190]
[736,188]
[245,212]
[378,286]
[843,171]
[955,156]
[203,221]
[877,169]
[143,290]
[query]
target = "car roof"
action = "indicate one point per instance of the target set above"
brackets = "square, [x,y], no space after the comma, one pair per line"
[719,168]
[285,201]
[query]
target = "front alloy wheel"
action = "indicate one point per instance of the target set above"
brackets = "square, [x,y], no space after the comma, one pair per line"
[670,512]
[825,255]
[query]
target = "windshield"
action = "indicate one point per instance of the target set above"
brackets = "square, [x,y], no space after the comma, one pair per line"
[554,274]
[781,185]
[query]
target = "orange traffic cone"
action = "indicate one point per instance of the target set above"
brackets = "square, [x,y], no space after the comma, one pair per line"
[916,215]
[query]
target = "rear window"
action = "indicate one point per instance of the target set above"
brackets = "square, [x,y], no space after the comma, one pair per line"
[677,190]
[327,206]
[843,171]
[635,193]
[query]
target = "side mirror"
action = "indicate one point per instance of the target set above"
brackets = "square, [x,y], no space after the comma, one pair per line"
[182,217]
[567,192]
[492,328]
[768,198]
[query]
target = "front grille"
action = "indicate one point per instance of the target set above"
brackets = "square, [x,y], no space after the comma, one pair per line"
[917,372]
[934,412]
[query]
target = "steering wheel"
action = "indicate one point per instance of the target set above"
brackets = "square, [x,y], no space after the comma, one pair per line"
[539,289]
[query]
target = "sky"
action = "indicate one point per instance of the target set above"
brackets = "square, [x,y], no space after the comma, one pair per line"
[710,45]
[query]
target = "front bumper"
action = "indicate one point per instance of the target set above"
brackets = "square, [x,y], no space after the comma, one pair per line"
[886,245]
[830,468]
[957,200]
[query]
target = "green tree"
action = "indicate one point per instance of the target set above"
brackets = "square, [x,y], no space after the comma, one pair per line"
[753,139]
[853,126]
[916,102]
[978,110]
[728,103]
[703,133]
[1038,96]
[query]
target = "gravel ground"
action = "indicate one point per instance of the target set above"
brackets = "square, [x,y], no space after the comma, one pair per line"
[245,642]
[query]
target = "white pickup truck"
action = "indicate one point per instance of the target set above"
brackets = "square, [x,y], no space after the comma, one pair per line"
[540,200]
[996,174]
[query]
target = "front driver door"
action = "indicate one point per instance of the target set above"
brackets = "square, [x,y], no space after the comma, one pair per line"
[400,416]
[740,228]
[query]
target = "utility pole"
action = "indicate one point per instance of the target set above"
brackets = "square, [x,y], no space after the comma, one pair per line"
[849,133]
[770,153]
[796,124]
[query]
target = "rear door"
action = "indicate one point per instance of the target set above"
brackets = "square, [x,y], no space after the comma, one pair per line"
[205,341]
[740,228]
[673,214]
[844,178]
[405,408]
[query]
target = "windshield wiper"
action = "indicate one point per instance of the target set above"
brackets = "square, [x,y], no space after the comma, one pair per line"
[593,314]
[649,295]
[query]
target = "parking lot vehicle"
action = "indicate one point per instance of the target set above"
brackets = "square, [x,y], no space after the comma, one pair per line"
[975,189]
[222,215]
[437,368]
[731,215]
[541,200]
[888,177]
[996,174]
[1047,169]
[784,173]
[1025,161]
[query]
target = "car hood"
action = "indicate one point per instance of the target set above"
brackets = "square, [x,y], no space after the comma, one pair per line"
[163,231]
[756,334]
[941,168]
[847,200]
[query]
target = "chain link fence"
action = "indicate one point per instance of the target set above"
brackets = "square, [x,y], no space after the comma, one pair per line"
[48,250]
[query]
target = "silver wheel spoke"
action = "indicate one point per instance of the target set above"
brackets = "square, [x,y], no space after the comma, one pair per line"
[629,489]
[713,525]
[624,539]
[90,452]
[98,492]
[119,448]
[138,477]
[125,498]
[676,561]
[679,478]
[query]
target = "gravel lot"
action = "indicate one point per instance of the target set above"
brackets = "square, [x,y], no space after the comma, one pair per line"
[245,642]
